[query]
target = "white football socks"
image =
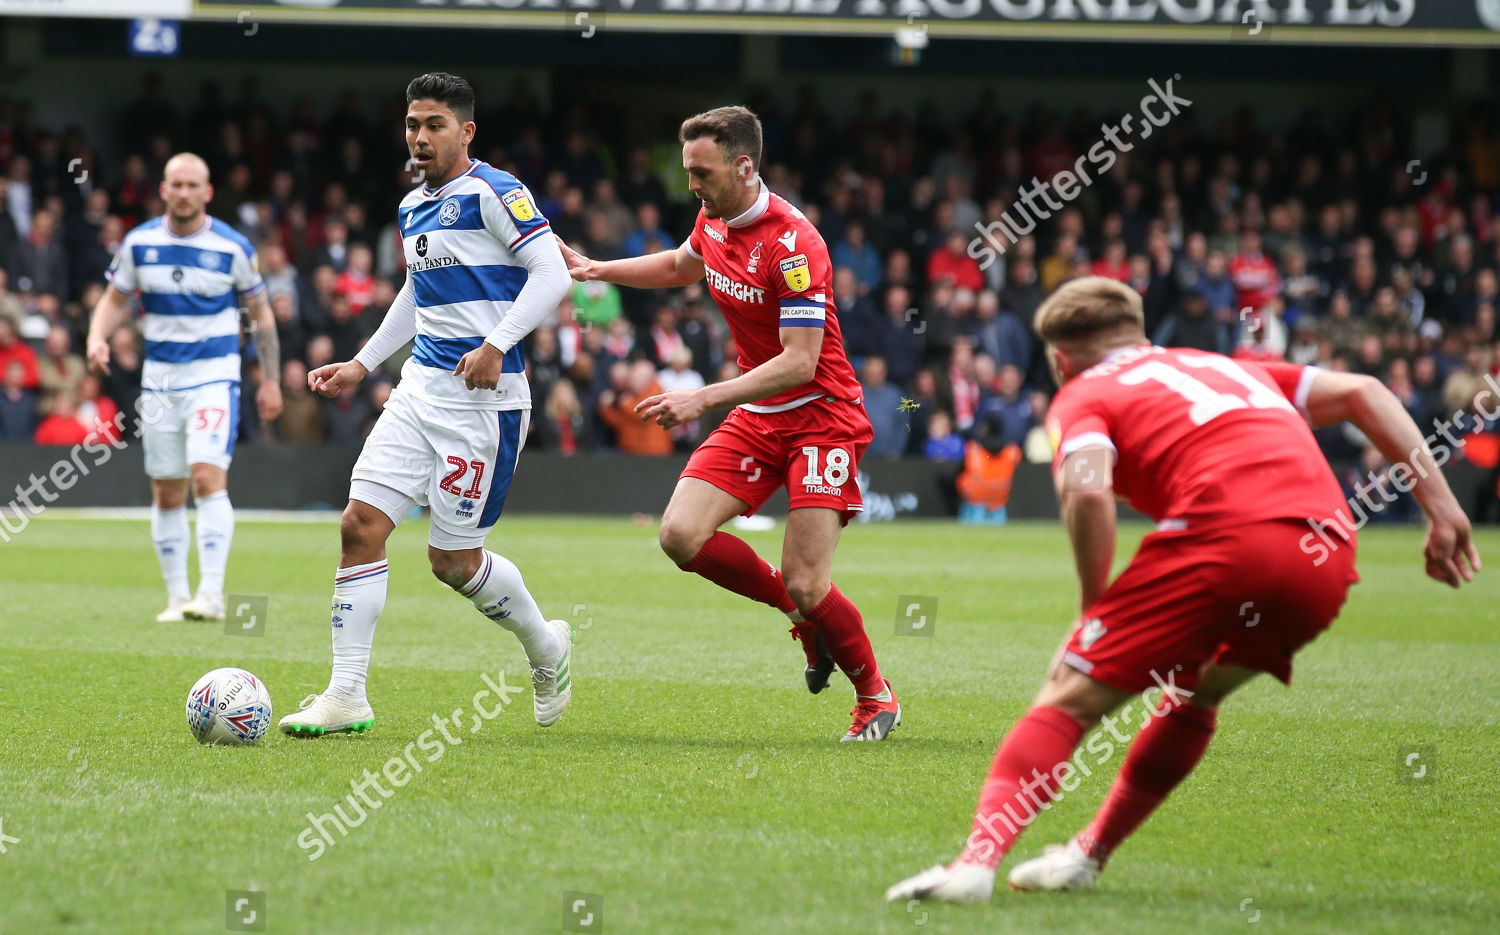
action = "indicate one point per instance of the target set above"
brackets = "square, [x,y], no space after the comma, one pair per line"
[500,594]
[169,533]
[215,533]
[358,599]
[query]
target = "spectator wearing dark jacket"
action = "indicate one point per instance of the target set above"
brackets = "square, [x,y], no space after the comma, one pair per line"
[883,406]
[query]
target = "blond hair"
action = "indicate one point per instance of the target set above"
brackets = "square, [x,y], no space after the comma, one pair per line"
[1087,308]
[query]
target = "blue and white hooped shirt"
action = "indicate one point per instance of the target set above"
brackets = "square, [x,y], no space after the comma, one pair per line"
[190,287]
[460,243]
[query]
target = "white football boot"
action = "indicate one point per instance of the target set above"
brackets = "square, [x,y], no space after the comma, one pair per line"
[1061,867]
[957,882]
[328,713]
[552,685]
[205,606]
[173,613]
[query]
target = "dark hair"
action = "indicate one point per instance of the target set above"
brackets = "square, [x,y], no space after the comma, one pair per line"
[735,129]
[444,88]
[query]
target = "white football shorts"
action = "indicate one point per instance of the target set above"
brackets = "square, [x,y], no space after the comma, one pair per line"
[187,427]
[457,462]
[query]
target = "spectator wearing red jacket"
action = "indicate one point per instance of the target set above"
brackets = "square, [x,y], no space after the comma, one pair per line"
[357,283]
[62,427]
[1255,279]
[12,348]
[1114,264]
[952,264]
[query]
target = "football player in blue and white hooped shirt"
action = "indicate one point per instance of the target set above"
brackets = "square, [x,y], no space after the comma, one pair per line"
[192,271]
[483,270]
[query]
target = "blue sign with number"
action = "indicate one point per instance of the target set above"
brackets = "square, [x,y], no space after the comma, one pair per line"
[154,38]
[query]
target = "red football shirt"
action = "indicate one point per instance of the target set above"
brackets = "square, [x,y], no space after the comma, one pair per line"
[768,269]
[1255,279]
[1200,440]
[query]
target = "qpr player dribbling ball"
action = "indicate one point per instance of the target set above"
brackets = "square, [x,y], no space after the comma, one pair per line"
[229,706]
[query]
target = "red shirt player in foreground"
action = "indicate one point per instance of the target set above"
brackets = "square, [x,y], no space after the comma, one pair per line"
[799,418]
[1248,564]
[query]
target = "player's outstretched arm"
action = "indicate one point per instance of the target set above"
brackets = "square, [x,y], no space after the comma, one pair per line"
[109,312]
[664,270]
[1336,397]
[795,365]
[1085,490]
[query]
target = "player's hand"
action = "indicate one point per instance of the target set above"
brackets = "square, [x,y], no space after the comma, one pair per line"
[1450,552]
[98,355]
[671,409]
[330,379]
[268,400]
[578,264]
[481,367]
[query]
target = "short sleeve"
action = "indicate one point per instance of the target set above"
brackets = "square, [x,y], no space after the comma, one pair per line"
[801,279]
[1077,420]
[1295,383]
[694,242]
[513,217]
[247,280]
[121,272]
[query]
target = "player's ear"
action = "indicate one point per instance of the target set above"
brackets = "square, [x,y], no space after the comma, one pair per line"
[743,168]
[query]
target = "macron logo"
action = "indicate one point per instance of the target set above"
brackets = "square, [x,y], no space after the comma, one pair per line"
[789,240]
[712,233]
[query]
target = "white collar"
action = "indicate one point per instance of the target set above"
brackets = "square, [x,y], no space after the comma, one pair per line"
[756,210]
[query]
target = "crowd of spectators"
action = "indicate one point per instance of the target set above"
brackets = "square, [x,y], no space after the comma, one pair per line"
[1321,242]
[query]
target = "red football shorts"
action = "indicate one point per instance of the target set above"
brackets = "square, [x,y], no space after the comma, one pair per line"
[812,450]
[1246,596]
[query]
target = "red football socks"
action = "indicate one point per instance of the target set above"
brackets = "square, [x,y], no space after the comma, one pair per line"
[1165,751]
[729,562]
[1023,780]
[843,632]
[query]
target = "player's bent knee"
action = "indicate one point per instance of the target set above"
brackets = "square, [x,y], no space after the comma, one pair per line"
[807,592]
[681,541]
[360,527]
[451,568]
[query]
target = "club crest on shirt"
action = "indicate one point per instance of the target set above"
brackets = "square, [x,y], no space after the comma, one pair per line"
[449,212]
[518,205]
[754,263]
[796,272]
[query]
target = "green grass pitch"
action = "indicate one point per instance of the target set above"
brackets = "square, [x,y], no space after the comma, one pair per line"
[694,786]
